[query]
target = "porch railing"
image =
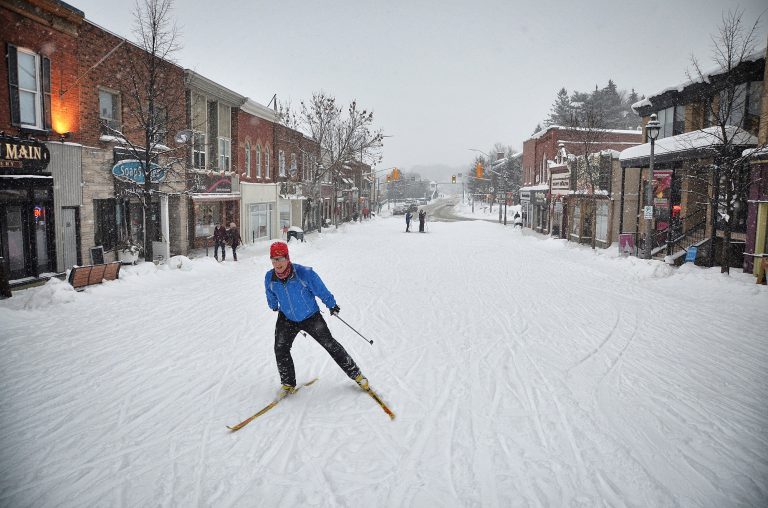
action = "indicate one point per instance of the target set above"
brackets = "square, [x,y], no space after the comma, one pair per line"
[685,231]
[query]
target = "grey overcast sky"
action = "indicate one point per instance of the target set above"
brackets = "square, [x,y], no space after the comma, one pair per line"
[441,76]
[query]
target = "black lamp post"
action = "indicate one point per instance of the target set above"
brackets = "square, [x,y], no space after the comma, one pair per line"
[652,129]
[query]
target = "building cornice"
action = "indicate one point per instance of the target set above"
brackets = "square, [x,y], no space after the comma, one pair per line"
[201,83]
[254,108]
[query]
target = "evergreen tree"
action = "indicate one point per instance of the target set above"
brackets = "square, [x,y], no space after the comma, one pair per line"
[561,109]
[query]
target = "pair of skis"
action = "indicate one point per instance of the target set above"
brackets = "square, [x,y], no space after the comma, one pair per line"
[275,402]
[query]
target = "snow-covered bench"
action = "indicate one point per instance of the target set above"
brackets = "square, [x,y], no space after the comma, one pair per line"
[82,276]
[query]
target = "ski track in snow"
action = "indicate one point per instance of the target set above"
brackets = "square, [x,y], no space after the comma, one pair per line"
[523,372]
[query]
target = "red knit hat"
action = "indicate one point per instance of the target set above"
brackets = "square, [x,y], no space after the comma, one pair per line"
[278,249]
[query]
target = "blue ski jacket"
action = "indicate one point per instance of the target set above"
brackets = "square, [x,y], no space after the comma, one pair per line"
[295,297]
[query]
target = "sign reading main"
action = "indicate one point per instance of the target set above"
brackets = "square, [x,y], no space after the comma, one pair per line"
[25,154]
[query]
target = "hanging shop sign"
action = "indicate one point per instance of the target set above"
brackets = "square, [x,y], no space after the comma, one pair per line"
[27,155]
[133,171]
[210,184]
[539,198]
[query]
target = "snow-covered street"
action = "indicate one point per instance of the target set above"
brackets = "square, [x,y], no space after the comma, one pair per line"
[524,371]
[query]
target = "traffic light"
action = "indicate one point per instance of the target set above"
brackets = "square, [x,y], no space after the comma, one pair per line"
[388,177]
[479,169]
[453,178]
[395,174]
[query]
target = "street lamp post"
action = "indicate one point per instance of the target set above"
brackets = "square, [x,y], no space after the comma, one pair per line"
[652,129]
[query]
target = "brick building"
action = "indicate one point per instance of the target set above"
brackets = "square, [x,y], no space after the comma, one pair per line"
[541,150]
[39,62]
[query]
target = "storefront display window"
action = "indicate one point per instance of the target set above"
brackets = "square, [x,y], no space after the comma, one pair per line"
[206,217]
[285,214]
[576,221]
[259,220]
[602,222]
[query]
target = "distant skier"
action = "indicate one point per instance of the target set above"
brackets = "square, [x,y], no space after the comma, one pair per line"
[291,290]
[422,218]
[408,216]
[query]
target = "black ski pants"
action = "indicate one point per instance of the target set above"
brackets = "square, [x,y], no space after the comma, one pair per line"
[285,333]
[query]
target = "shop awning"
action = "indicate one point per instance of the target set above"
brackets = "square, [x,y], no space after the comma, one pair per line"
[234,196]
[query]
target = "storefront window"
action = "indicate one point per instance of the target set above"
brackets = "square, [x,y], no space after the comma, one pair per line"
[259,220]
[206,217]
[576,220]
[105,219]
[41,236]
[602,222]
[285,214]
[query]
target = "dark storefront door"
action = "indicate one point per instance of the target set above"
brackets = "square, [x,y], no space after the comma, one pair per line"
[26,239]
[13,241]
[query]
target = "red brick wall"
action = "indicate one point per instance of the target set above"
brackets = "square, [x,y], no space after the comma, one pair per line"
[37,34]
[113,73]
[73,50]
[544,147]
[254,130]
[289,141]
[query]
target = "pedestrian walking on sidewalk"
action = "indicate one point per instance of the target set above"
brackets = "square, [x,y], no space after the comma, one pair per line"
[220,240]
[291,290]
[422,219]
[234,239]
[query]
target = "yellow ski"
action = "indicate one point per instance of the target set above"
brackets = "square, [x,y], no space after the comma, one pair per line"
[380,402]
[266,408]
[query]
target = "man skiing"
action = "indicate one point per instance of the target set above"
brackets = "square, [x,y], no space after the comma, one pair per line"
[291,290]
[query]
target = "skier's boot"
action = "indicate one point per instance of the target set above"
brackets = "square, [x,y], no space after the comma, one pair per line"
[362,382]
[284,391]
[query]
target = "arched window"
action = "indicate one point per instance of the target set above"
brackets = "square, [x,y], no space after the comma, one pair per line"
[247,159]
[266,163]
[258,160]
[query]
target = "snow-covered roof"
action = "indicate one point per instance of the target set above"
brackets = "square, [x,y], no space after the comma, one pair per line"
[704,78]
[690,141]
[560,127]
[540,187]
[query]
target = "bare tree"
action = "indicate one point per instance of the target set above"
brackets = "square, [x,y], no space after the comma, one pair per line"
[154,101]
[588,125]
[728,125]
[343,138]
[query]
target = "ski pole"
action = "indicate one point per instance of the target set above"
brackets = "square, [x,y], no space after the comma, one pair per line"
[360,334]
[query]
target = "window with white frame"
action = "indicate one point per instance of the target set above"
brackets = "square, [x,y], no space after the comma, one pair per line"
[304,159]
[267,163]
[258,160]
[224,133]
[281,162]
[109,111]
[294,164]
[198,150]
[247,159]
[199,122]
[29,82]
[601,228]
[225,154]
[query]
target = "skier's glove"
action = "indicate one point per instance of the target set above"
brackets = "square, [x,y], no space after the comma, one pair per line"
[335,310]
